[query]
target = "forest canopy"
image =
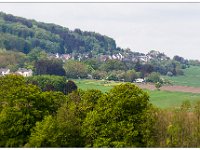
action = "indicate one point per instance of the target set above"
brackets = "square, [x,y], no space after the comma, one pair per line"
[24,35]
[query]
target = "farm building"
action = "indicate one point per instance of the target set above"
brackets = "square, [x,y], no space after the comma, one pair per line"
[25,72]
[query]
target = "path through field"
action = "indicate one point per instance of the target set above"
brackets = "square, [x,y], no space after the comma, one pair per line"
[174,88]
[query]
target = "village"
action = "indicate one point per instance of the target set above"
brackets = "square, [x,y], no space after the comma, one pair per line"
[127,56]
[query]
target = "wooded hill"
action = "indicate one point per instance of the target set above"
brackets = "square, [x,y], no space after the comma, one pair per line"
[23,35]
[39,41]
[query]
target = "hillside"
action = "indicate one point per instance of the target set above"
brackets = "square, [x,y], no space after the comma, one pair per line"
[45,40]
[23,35]
[191,77]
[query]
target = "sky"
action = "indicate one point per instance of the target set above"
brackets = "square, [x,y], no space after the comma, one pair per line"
[171,28]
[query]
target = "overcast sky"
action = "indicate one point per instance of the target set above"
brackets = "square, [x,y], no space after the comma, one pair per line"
[172,28]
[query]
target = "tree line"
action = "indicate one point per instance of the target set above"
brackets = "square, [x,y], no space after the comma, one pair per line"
[92,68]
[35,114]
[23,35]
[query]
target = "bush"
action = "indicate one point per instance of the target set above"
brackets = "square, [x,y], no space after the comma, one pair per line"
[158,85]
[154,77]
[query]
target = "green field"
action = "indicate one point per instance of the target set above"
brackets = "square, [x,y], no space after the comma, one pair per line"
[101,85]
[191,77]
[165,99]
[162,99]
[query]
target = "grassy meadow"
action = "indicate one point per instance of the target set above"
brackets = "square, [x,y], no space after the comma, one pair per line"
[162,99]
[191,77]
[165,99]
[101,85]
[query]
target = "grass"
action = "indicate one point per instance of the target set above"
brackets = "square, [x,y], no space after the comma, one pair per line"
[165,99]
[101,85]
[191,77]
[162,99]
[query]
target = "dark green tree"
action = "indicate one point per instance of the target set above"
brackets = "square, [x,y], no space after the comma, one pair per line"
[51,67]
[48,82]
[70,87]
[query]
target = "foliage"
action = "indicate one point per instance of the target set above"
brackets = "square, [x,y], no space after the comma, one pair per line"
[183,61]
[158,85]
[112,76]
[75,69]
[131,75]
[99,74]
[111,65]
[70,87]
[65,127]
[21,106]
[51,67]
[48,83]
[89,99]
[146,69]
[94,63]
[122,117]
[177,127]
[36,54]
[12,60]
[154,77]
[59,131]
[24,35]
[115,121]
[120,75]
[43,133]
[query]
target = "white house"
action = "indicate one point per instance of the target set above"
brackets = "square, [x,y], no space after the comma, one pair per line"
[139,80]
[25,72]
[4,71]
